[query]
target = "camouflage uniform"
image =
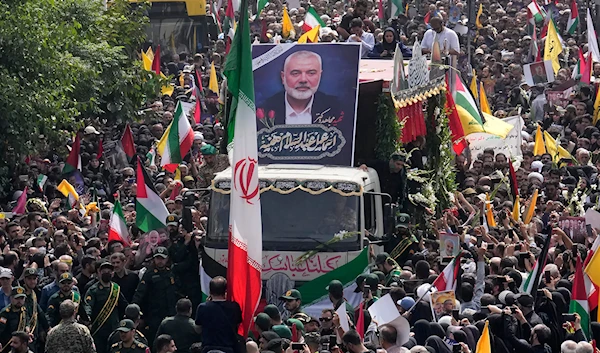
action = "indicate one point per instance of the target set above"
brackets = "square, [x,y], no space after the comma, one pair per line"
[206,173]
[70,337]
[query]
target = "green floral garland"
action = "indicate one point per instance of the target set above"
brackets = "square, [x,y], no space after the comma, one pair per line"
[388,128]
[438,149]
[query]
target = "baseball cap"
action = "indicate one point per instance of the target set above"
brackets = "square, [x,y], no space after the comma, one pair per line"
[172,220]
[126,325]
[359,280]
[188,178]
[403,220]
[381,258]
[133,311]
[335,287]
[372,281]
[208,150]
[269,335]
[65,277]
[106,264]
[525,300]
[263,321]
[380,275]
[6,273]
[479,51]
[469,191]
[282,331]
[291,294]
[18,292]
[298,323]
[90,130]
[30,272]
[406,303]
[272,311]
[161,251]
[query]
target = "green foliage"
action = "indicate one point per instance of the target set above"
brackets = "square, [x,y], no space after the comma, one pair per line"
[388,128]
[63,63]
[438,149]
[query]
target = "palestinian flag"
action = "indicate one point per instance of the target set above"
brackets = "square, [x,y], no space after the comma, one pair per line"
[261,5]
[531,284]
[579,299]
[397,8]
[151,156]
[471,118]
[536,12]
[447,279]
[74,160]
[151,212]
[209,269]
[312,19]
[118,228]
[176,141]
[573,19]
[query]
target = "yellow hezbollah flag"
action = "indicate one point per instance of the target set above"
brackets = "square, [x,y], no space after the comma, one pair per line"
[311,36]
[539,148]
[473,86]
[555,150]
[516,213]
[597,113]
[553,47]
[531,208]
[477,21]
[484,345]
[213,84]
[150,54]
[147,61]
[287,28]
[489,214]
[483,101]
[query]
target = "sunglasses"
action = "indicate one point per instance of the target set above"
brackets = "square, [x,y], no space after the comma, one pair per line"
[325,319]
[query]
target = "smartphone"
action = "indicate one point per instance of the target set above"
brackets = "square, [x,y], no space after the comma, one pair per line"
[547,277]
[490,247]
[479,242]
[588,228]
[186,220]
[518,247]
[296,346]
[485,311]
[455,314]
[569,317]
[457,348]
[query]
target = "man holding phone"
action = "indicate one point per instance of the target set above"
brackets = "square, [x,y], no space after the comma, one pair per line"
[525,304]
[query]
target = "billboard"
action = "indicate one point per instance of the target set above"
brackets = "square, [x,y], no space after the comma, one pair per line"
[306,97]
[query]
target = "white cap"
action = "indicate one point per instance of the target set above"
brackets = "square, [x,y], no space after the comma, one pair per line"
[198,136]
[536,175]
[90,130]
[537,166]
[425,288]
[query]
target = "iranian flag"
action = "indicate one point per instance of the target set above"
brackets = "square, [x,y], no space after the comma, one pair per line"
[536,12]
[244,262]
[176,141]
[229,25]
[41,181]
[592,38]
[151,212]
[530,285]
[312,19]
[579,299]
[447,279]
[573,19]
[118,228]
[261,5]
[73,162]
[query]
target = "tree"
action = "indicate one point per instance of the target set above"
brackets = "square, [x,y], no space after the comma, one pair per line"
[63,63]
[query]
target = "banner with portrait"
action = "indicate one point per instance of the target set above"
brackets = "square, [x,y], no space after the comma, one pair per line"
[306,98]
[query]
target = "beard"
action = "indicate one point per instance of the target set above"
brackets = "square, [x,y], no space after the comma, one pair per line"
[295,93]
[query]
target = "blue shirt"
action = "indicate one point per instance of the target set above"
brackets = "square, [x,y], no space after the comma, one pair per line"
[4,299]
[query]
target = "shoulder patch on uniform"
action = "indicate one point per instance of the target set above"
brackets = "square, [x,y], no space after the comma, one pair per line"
[115,344]
[88,298]
[3,320]
[50,306]
[141,345]
[142,281]
[7,309]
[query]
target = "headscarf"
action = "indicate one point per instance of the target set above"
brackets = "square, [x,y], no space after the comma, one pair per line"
[422,310]
[459,336]
[471,342]
[390,47]
[596,331]
[421,330]
[566,293]
[438,344]
[561,304]
[436,329]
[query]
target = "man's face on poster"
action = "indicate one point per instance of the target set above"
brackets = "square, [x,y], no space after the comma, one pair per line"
[539,70]
[301,76]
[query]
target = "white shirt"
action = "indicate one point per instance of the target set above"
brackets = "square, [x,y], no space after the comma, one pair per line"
[293,118]
[447,36]
[366,44]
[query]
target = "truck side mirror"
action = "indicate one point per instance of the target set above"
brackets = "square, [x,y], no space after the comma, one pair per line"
[389,218]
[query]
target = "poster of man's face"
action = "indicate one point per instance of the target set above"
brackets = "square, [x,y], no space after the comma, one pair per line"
[539,73]
[306,97]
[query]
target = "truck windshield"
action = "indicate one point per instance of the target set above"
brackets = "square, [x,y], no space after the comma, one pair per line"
[299,219]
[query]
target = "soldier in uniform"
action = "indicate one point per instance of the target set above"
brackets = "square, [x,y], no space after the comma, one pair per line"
[180,327]
[133,313]
[68,335]
[13,317]
[213,163]
[102,304]
[128,344]
[389,267]
[156,294]
[65,292]
[30,284]
[292,303]
[19,342]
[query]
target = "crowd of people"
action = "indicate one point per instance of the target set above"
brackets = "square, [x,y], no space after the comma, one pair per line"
[65,288]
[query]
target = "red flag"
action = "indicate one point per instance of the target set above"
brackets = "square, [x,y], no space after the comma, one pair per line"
[427,18]
[100,149]
[514,187]
[176,190]
[200,92]
[360,321]
[156,61]
[127,142]
[20,207]
[294,333]
[458,134]
[197,111]
[380,14]
[74,160]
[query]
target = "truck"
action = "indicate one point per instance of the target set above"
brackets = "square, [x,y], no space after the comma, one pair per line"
[303,207]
